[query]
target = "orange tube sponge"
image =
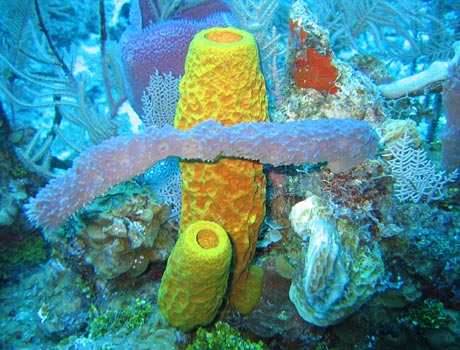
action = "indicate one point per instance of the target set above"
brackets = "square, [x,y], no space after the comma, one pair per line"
[223,82]
[196,277]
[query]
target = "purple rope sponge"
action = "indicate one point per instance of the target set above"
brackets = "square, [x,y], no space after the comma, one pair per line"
[344,143]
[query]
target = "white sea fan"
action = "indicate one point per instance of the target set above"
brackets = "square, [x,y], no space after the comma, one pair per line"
[159,100]
[159,103]
[416,176]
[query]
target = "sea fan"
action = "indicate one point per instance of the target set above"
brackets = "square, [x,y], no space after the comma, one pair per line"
[159,100]
[416,176]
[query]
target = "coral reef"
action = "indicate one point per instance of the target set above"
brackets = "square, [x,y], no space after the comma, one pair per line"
[356,98]
[16,182]
[130,318]
[223,336]
[276,316]
[429,314]
[425,246]
[322,85]
[117,233]
[393,130]
[30,251]
[196,277]
[366,272]
[372,67]
[55,308]
[363,189]
[337,273]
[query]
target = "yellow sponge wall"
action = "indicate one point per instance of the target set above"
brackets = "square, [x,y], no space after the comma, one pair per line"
[196,277]
[223,82]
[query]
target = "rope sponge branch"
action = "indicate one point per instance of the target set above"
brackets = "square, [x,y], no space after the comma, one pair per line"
[343,143]
[416,84]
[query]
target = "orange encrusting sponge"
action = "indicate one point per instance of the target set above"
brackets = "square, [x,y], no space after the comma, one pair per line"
[223,82]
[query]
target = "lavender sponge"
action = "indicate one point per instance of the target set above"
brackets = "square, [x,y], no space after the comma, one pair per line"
[451,134]
[343,143]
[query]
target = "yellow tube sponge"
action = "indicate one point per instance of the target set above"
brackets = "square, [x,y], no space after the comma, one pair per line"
[196,277]
[223,82]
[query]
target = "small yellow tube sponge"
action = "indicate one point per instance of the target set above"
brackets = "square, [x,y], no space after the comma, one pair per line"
[246,296]
[196,277]
[223,82]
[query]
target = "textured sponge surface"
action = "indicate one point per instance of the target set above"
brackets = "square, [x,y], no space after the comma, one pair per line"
[196,277]
[223,82]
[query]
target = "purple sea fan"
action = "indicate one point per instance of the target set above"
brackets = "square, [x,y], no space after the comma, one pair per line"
[153,43]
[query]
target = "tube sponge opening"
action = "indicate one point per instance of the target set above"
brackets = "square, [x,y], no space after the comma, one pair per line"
[223,36]
[207,239]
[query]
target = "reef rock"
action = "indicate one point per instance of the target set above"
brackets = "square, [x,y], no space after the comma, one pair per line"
[118,232]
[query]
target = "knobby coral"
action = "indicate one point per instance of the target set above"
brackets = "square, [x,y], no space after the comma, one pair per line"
[339,273]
